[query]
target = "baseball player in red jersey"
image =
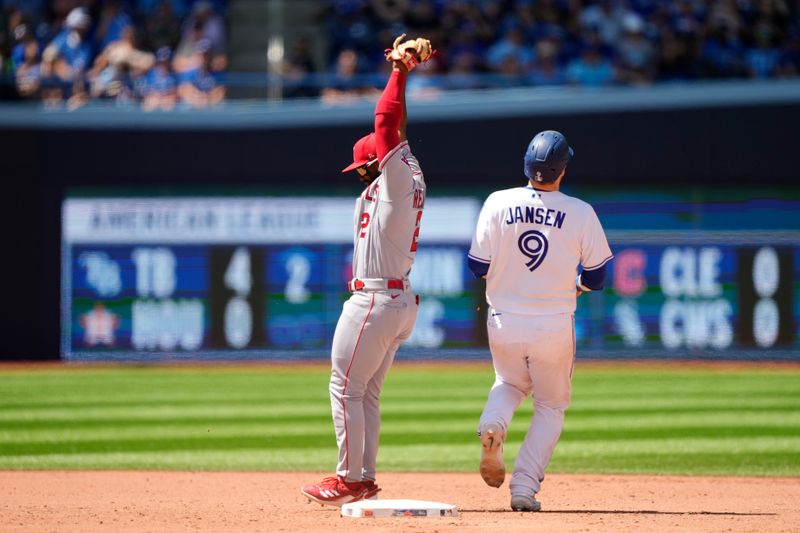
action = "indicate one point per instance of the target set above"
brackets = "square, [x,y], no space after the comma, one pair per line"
[382,310]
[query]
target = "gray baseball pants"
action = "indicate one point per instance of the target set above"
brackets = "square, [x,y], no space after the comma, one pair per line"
[370,329]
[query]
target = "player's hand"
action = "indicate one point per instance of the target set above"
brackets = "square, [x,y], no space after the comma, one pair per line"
[410,53]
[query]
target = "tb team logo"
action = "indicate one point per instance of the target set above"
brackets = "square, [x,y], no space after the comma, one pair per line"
[102,273]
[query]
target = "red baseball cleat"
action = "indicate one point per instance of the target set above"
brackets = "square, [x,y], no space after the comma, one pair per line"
[336,491]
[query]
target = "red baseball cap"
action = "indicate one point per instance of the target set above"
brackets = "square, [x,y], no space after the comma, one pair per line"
[364,151]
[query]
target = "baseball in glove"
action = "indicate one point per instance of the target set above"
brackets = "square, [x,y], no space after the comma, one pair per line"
[411,52]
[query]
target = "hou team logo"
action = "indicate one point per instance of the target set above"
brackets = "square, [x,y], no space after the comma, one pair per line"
[99,325]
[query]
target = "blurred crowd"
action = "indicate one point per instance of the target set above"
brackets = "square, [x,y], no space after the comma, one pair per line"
[172,53]
[160,54]
[560,42]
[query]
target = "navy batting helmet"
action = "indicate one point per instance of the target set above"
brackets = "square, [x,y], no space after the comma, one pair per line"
[547,155]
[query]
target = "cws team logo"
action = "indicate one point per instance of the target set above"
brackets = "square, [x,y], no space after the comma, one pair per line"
[533,245]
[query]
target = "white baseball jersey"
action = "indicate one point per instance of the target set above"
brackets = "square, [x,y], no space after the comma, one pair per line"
[387,218]
[533,242]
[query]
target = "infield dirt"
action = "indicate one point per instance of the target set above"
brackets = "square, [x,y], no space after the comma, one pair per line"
[269,501]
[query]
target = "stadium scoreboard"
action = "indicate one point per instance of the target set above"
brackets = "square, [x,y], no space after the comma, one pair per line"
[254,278]
[240,277]
[717,297]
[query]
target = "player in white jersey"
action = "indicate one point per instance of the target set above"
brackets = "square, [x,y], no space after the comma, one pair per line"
[529,243]
[382,310]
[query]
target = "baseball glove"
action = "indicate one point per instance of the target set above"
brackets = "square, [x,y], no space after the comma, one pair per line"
[411,52]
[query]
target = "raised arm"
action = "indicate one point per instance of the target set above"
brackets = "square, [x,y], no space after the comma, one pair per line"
[390,112]
[401,131]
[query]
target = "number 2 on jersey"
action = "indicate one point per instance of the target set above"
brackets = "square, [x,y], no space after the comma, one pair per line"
[364,224]
[415,237]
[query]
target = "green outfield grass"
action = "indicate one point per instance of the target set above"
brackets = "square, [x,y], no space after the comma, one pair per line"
[667,420]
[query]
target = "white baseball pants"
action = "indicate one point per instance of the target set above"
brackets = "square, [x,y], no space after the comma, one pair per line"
[531,354]
[370,329]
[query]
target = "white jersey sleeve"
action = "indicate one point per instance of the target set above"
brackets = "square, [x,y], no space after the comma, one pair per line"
[481,249]
[595,251]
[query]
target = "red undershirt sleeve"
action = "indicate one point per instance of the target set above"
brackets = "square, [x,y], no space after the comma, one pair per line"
[389,114]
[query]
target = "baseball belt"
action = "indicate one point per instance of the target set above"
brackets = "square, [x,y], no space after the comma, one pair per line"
[377,284]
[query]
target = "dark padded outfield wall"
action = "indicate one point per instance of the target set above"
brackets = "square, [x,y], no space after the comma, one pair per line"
[718,146]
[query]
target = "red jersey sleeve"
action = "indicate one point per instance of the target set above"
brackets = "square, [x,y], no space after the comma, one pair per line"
[389,114]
